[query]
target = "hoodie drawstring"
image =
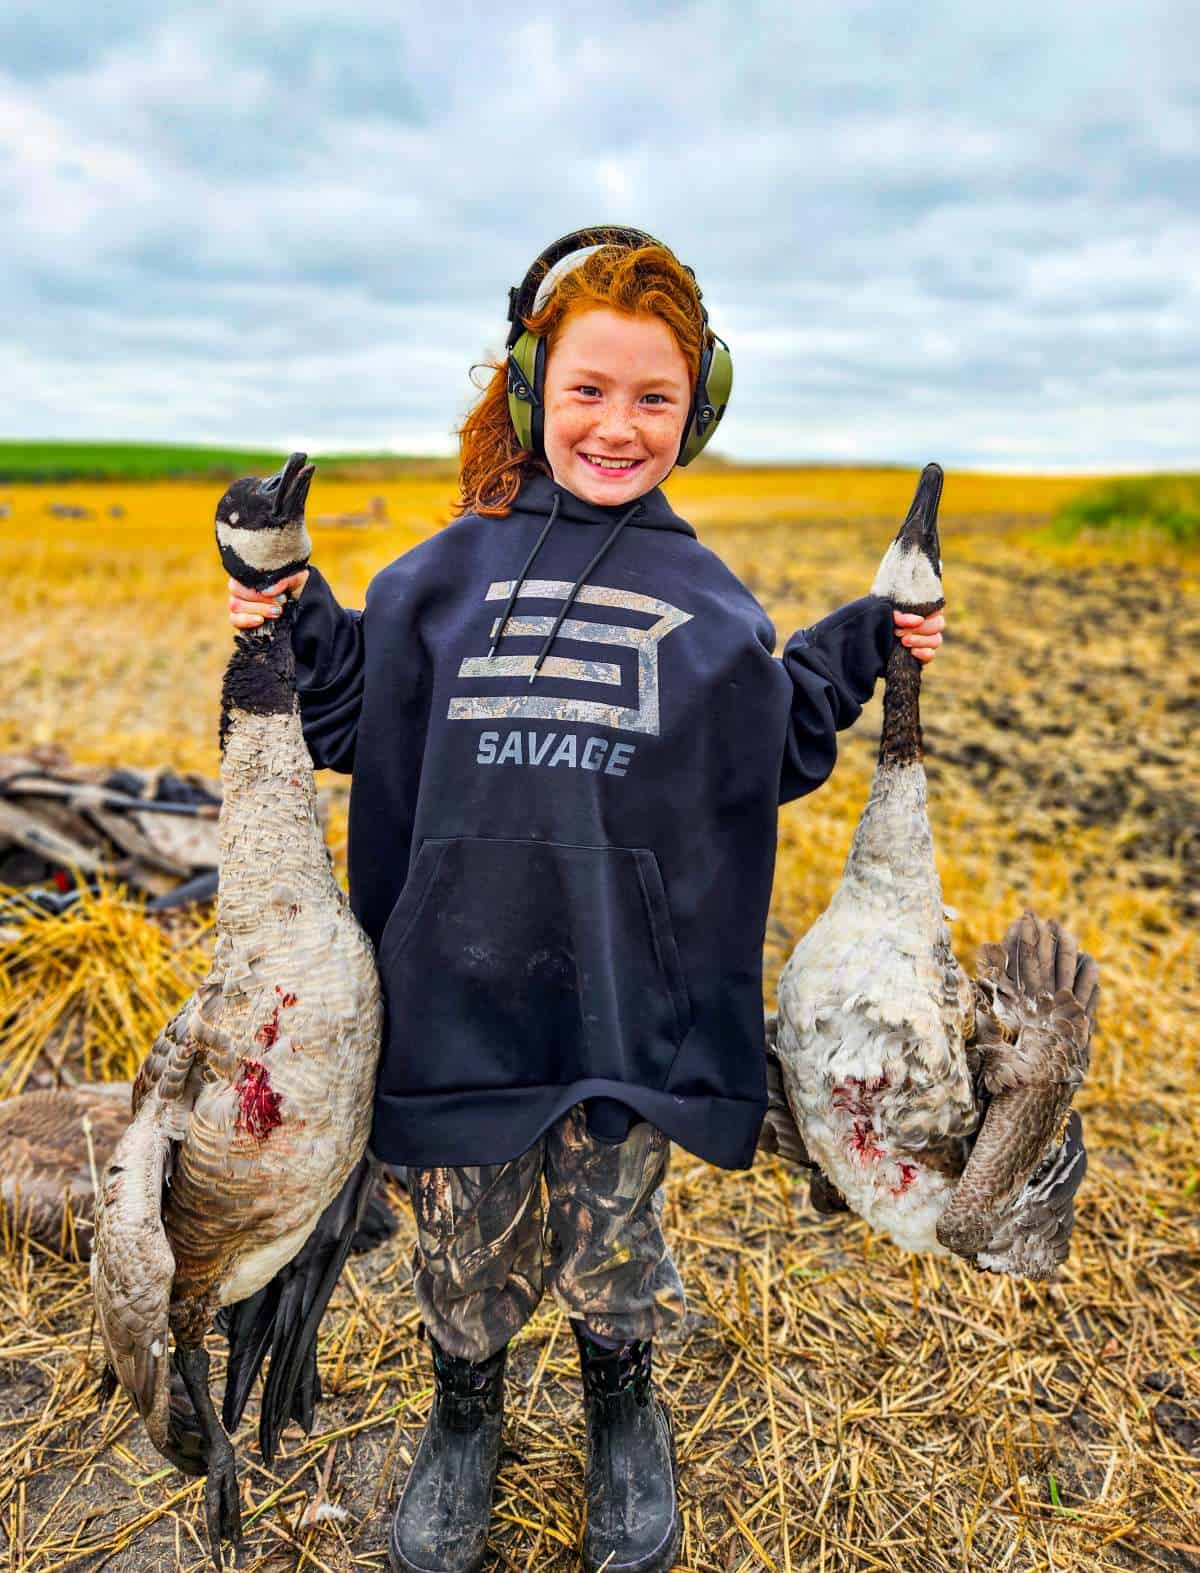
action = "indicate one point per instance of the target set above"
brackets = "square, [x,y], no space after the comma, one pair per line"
[520,579]
[566,606]
[575,588]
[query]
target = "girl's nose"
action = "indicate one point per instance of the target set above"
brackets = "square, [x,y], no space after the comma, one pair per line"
[615,423]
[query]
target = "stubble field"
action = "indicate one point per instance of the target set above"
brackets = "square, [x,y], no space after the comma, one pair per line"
[837,1405]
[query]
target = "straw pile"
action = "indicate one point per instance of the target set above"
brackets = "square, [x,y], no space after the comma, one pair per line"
[85,993]
[837,1404]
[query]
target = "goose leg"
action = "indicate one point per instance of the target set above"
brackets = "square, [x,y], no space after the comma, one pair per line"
[222,1506]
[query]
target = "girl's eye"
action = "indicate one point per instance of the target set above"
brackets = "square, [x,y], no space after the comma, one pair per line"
[589,391]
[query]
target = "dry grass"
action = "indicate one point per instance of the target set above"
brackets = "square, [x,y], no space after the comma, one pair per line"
[89,990]
[838,1405]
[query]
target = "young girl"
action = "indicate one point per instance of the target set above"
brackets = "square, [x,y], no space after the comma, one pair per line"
[569,739]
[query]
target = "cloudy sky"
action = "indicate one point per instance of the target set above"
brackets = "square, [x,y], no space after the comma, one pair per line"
[958,229]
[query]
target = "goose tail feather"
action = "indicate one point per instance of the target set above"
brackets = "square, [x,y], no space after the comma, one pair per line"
[283,1319]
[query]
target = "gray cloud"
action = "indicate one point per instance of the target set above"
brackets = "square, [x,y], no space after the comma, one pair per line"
[924,231]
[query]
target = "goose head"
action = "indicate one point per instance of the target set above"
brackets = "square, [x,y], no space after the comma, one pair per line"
[910,575]
[260,524]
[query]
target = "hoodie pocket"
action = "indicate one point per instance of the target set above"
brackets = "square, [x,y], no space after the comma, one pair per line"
[511,963]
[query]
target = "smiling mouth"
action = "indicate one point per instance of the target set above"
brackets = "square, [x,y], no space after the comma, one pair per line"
[606,466]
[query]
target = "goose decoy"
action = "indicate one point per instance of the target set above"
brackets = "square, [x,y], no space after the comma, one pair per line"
[935,1105]
[253,1108]
[56,1141]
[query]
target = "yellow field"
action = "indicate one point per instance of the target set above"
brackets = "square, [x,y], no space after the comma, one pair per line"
[838,1405]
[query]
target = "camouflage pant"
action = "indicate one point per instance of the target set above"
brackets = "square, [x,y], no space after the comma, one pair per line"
[485,1250]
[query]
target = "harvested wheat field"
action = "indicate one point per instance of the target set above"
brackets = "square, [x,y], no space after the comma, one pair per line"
[837,1405]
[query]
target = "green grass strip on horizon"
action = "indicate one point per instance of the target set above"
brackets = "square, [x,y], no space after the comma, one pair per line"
[117,461]
[1168,505]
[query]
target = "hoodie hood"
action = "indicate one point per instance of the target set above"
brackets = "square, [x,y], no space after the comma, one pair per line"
[538,494]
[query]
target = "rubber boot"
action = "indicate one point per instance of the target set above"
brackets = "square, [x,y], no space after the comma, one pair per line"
[441,1521]
[632,1513]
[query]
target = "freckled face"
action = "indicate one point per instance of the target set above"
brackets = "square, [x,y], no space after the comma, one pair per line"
[617,389]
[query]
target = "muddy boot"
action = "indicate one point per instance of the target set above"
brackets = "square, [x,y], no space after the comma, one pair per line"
[632,1513]
[441,1521]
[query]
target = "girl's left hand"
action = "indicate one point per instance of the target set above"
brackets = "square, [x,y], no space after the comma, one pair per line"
[921,635]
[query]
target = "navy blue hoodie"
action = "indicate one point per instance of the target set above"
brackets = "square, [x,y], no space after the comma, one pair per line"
[562,832]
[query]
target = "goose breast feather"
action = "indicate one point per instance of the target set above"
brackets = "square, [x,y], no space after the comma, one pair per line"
[875,1014]
[283,1112]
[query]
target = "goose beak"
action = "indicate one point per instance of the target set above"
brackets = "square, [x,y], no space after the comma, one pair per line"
[910,574]
[920,529]
[289,487]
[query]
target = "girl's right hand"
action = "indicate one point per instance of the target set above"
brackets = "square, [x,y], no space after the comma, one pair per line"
[250,608]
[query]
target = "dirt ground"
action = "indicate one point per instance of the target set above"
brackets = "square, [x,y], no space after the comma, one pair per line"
[837,1404]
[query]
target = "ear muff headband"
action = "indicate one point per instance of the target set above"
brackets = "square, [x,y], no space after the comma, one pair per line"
[527,351]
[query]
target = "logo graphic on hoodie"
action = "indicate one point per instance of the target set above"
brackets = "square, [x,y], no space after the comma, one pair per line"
[506,671]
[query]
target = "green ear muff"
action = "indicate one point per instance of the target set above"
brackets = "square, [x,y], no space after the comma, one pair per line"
[526,377]
[527,352]
[713,387]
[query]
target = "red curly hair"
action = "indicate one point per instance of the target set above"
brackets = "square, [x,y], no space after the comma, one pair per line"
[641,281]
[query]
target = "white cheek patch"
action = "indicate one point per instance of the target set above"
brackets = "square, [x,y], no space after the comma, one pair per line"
[907,576]
[269,548]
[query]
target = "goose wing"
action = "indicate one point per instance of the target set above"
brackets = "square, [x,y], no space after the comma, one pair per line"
[1036,998]
[159,1057]
[1034,1236]
[780,1135]
[133,1266]
[284,1317]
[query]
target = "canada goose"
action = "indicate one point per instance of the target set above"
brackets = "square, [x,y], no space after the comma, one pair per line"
[57,1141]
[928,1101]
[253,1108]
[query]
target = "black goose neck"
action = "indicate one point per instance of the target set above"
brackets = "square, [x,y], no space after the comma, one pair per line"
[260,677]
[901,741]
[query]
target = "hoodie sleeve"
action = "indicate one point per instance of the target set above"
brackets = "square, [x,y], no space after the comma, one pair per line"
[329,646]
[833,666]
